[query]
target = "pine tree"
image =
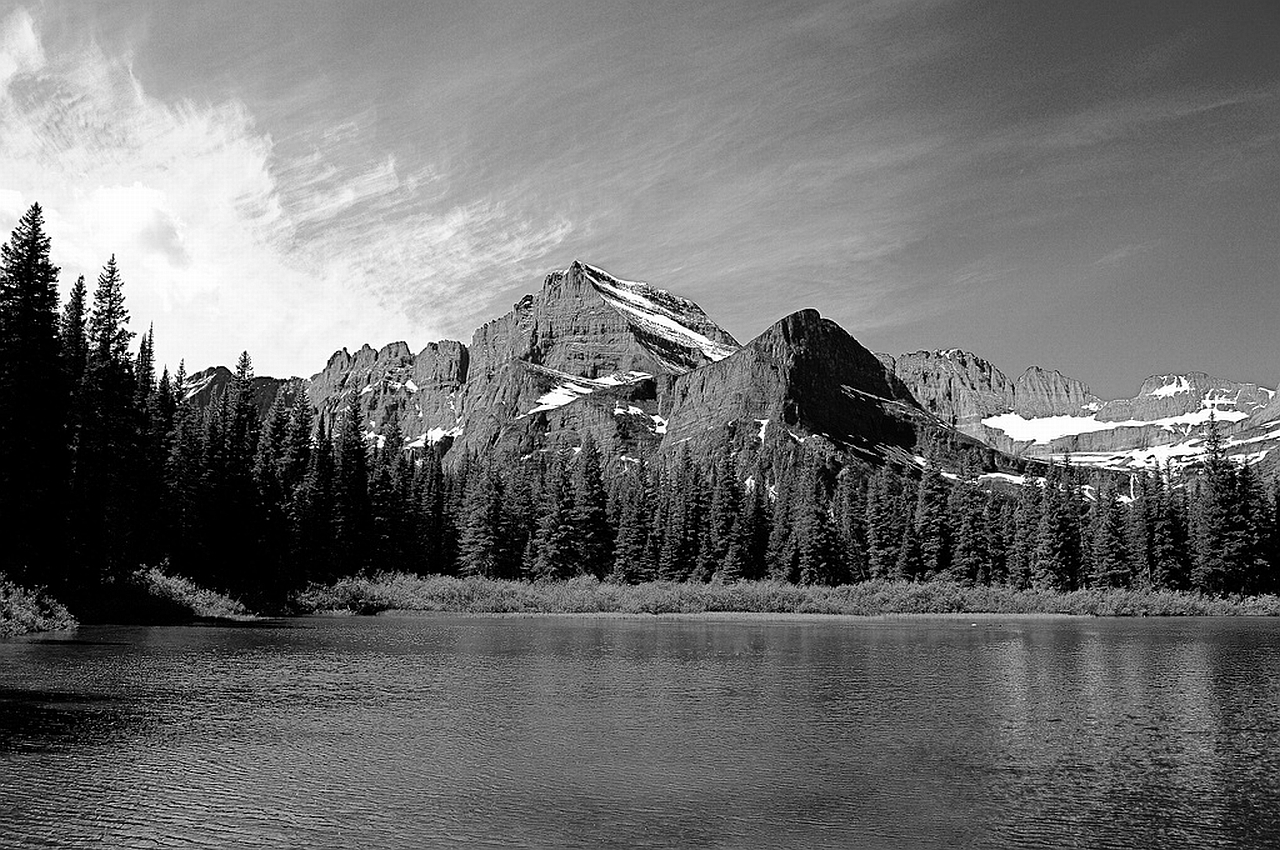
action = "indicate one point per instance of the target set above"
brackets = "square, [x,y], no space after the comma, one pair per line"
[593,536]
[782,555]
[971,561]
[107,456]
[1023,533]
[274,497]
[431,546]
[631,563]
[351,492]
[74,340]
[312,515]
[33,477]
[680,521]
[481,535]
[752,529]
[932,530]
[1214,520]
[722,509]
[849,515]
[73,333]
[554,541]
[817,554]
[108,335]
[1109,559]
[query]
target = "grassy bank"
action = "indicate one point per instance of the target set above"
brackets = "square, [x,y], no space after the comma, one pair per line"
[23,611]
[399,591]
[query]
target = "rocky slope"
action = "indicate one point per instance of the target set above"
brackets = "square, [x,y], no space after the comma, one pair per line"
[206,385]
[806,380]
[646,371]
[1044,414]
[560,362]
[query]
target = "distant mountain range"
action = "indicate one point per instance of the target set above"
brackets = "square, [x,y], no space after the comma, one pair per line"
[645,371]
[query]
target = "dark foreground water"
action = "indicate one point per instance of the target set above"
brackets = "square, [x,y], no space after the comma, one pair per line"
[552,732]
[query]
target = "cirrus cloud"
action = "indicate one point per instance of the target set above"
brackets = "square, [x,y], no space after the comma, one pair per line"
[224,242]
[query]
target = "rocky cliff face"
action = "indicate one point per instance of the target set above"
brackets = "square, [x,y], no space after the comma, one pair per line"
[561,362]
[205,386]
[804,379]
[1045,414]
[644,371]
[959,388]
[420,392]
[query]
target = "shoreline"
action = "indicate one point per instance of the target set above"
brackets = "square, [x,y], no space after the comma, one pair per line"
[404,593]
[724,616]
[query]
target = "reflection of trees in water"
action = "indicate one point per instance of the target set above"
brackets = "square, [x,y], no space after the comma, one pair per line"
[33,719]
[1164,729]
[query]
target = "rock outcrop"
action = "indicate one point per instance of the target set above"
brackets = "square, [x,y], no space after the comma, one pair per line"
[1046,414]
[645,371]
[205,386]
[959,388]
[419,392]
[805,379]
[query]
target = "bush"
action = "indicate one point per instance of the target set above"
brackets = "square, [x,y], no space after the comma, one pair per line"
[187,595]
[23,611]
[586,595]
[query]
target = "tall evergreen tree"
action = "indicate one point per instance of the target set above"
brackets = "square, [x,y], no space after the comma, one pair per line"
[107,456]
[631,561]
[481,535]
[351,493]
[554,543]
[74,334]
[1109,561]
[594,537]
[33,477]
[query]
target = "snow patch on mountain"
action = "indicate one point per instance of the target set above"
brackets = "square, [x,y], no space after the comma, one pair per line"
[198,383]
[658,312]
[571,388]
[433,436]
[1046,429]
[1175,385]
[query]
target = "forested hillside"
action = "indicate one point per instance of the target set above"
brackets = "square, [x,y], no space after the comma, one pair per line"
[107,467]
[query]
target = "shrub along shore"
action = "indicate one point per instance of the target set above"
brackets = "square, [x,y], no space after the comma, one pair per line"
[407,592]
[23,611]
[175,599]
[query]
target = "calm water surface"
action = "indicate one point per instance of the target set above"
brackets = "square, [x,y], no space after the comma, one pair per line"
[448,731]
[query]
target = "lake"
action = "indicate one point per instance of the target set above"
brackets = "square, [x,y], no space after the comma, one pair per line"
[451,731]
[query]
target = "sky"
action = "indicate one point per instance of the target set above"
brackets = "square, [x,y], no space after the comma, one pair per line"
[1087,186]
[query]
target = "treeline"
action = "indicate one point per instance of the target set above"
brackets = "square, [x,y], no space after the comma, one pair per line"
[108,468]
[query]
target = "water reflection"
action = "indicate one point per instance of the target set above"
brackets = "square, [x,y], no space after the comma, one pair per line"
[545,732]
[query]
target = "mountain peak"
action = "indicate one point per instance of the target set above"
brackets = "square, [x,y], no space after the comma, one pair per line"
[674,328]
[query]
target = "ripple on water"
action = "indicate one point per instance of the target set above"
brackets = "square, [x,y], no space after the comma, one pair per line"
[553,732]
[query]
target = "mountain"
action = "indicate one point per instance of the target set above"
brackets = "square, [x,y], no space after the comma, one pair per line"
[645,371]
[1044,414]
[807,380]
[206,385]
[561,361]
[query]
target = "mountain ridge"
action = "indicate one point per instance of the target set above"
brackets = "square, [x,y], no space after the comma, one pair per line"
[643,369]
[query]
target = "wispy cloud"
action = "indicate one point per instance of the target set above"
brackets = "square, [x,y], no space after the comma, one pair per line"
[221,235]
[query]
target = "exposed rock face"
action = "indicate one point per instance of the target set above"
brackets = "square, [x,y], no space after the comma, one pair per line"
[1047,392]
[205,386]
[564,359]
[803,379]
[644,371]
[959,388]
[419,392]
[1045,414]
[589,338]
